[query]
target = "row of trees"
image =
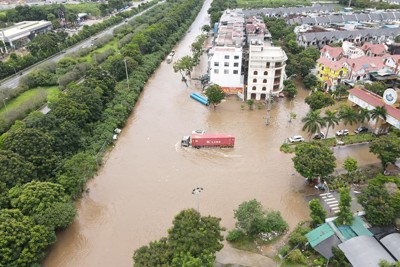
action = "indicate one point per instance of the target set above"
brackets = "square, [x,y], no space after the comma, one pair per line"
[51,43]
[314,122]
[46,159]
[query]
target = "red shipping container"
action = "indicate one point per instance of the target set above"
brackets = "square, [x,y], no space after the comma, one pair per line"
[213,140]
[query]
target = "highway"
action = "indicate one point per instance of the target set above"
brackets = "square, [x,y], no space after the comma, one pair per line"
[13,81]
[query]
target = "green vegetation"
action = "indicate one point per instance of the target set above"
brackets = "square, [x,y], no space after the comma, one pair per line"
[345,216]
[54,152]
[192,241]
[387,149]
[255,223]
[215,95]
[318,213]
[313,160]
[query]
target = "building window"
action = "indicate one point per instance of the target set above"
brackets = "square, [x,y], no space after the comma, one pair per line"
[265,81]
[322,68]
[264,88]
[255,72]
[216,64]
[236,57]
[235,71]
[226,57]
[236,64]
[216,71]
[254,80]
[226,64]
[253,88]
[267,65]
[253,96]
[226,71]
[265,73]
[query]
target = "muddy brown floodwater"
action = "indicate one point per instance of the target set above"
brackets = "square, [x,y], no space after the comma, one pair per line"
[148,178]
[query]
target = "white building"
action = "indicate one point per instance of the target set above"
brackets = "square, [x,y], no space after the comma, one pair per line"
[225,57]
[266,70]
[225,68]
[23,29]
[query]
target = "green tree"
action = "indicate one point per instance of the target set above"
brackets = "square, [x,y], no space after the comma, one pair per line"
[35,197]
[385,263]
[377,204]
[157,253]
[318,100]
[364,115]
[350,165]
[310,81]
[313,122]
[187,260]
[306,64]
[35,147]
[252,219]
[378,112]
[339,259]
[314,160]
[318,213]
[386,148]
[290,90]
[194,234]
[14,170]
[206,28]
[57,216]
[331,119]
[184,65]
[348,115]
[340,90]
[214,94]
[22,243]
[345,216]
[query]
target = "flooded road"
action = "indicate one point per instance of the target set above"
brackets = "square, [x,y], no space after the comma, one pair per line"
[148,178]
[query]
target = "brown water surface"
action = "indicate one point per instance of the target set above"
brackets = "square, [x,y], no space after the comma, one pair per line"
[148,178]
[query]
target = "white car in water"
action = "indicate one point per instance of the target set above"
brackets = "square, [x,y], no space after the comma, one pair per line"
[296,138]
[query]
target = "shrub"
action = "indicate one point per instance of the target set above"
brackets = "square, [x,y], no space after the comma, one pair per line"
[297,237]
[296,257]
[234,235]
[283,251]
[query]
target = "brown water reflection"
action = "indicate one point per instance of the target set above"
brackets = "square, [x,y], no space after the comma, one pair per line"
[148,177]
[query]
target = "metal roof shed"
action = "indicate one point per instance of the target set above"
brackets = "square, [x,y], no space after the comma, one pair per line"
[365,251]
[392,243]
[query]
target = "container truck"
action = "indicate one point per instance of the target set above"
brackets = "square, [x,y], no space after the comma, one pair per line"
[208,140]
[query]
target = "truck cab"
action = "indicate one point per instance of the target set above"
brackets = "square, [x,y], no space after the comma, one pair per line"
[185,142]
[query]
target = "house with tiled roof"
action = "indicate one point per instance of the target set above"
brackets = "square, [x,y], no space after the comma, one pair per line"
[374,50]
[358,69]
[332,53]
[331,72]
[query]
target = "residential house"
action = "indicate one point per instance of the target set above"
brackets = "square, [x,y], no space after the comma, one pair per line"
[331,72]
[352,51]
[332,53]
[374,50]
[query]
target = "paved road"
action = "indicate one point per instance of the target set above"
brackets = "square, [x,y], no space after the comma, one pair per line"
[14,81]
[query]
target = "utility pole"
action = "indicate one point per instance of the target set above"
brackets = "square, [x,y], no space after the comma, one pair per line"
[268,116]
[126,70]
[197,191]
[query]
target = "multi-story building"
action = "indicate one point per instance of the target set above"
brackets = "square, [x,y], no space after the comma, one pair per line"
[266,70]
[225,57]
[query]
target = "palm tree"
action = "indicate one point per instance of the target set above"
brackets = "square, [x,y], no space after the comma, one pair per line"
[330,119]
[348,115]
[379,113]
[313,122]
[364,115]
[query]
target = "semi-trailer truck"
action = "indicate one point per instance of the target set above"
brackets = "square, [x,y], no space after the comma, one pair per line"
[208,140]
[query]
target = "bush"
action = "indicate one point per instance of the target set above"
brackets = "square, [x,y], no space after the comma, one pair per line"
[101,57]
[234,235]
[103,40]
[297,237]
[296,257]
[283,251]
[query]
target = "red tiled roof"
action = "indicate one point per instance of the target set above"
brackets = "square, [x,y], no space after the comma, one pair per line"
[333,51]
[334,65]
[375,101]
[367,63]
[376,49]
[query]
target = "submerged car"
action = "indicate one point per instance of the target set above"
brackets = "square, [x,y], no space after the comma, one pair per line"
[296,138]
[342,132]
[361,129]
[198,132]
[320,135]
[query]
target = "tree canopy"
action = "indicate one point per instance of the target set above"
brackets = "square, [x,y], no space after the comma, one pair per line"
[318,100]
[386,148]
[215,95]
[314,160]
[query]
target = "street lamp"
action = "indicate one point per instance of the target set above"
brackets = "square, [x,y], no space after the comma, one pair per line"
[196,191]
[4,102]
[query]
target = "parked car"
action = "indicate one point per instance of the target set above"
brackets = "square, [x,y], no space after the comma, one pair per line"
[320,135]
[361,129]
[198,132]
[342,132]
[296,138]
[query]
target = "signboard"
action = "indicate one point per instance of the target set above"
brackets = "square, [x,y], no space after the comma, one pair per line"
[232,90]
[390,96]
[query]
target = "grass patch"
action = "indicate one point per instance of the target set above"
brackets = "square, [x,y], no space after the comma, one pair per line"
[52,93]
[332,142]
[112,44]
